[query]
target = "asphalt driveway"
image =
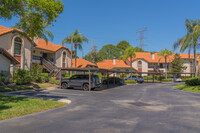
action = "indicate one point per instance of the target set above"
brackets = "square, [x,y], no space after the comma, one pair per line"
[143,108]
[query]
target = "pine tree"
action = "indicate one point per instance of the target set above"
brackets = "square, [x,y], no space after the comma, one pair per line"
[177,64]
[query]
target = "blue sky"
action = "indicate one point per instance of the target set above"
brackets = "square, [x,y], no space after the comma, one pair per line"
[110,21]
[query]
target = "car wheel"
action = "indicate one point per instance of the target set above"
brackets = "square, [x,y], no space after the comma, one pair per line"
[85,87]
[64,86]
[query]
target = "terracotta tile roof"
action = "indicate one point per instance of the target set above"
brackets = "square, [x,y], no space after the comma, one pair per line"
[82,63]
[4,29]
[108,64]
[9,56]
[41,42]
[148,57]
[49,46]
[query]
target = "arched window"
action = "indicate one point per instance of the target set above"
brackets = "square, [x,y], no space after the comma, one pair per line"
[139,64]
[17,46]
[64,59]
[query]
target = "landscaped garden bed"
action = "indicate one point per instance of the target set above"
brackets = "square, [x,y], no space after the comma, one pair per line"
[192,85]
[188,88]
[11,107]
[130,81]
[24,87]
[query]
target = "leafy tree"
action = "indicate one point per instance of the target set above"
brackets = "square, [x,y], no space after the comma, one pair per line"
[77,38]
[138,49]
[165,53]
[93,56]
[123,45]
[109,51]
[177,65]
[190,40]
[34,16]
[129,53]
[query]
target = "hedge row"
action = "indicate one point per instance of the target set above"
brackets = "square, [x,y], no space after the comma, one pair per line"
[192,81]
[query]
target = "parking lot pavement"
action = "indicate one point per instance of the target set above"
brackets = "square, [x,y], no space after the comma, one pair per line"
[142,108]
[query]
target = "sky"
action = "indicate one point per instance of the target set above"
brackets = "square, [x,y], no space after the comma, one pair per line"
[111,21]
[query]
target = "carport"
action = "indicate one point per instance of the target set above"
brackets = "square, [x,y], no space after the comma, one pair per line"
[90,71]
[108,71]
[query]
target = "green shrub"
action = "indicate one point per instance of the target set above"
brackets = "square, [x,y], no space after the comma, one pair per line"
[4,75]
[123,75]
[67,75]
[22,77]
[54,81]
[43,77]
[130,81]
[192,81]
[167,80]
[36,71]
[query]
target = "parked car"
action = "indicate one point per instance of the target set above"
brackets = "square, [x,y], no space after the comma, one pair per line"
[139,79]
[111,80]
[176,79]
[129,78]
[81,81]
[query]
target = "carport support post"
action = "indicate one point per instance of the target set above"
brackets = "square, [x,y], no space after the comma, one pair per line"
[160,78]
[60,78]
[114,78]
[153,78]
[107,80]
[89,81]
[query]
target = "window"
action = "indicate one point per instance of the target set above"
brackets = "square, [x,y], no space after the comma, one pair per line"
[17,46]
[64,57]
[191,64]
[139,64]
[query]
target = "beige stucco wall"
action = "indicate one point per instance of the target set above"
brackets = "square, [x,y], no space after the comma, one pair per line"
[7,42]
[59,58]
[187,64]
[5,63]
[144,65]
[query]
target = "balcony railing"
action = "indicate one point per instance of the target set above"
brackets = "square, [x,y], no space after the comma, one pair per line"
[39,58]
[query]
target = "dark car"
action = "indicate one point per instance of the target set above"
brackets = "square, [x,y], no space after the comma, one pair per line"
[81,81]
[139,79]
[113,80]
[129,78]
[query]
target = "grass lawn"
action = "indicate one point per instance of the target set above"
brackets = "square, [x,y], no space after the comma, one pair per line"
[130,81]
[11,107]
[188,88]
[23,87]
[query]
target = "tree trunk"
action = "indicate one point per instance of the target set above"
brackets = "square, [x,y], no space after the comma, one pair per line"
[165,67]
[75,54]
[195,62]
[131,68]
[71,50]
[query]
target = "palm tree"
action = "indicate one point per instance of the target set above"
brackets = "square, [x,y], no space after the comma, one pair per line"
[129,52]
[77,38]
[165,53]
[190,40]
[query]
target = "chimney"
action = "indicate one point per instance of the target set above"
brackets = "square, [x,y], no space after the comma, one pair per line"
[114,61]
[152,55]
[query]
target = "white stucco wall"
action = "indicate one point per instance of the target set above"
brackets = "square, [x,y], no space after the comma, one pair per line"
[144,65]
[5,63]
[7,42]
[59,58]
